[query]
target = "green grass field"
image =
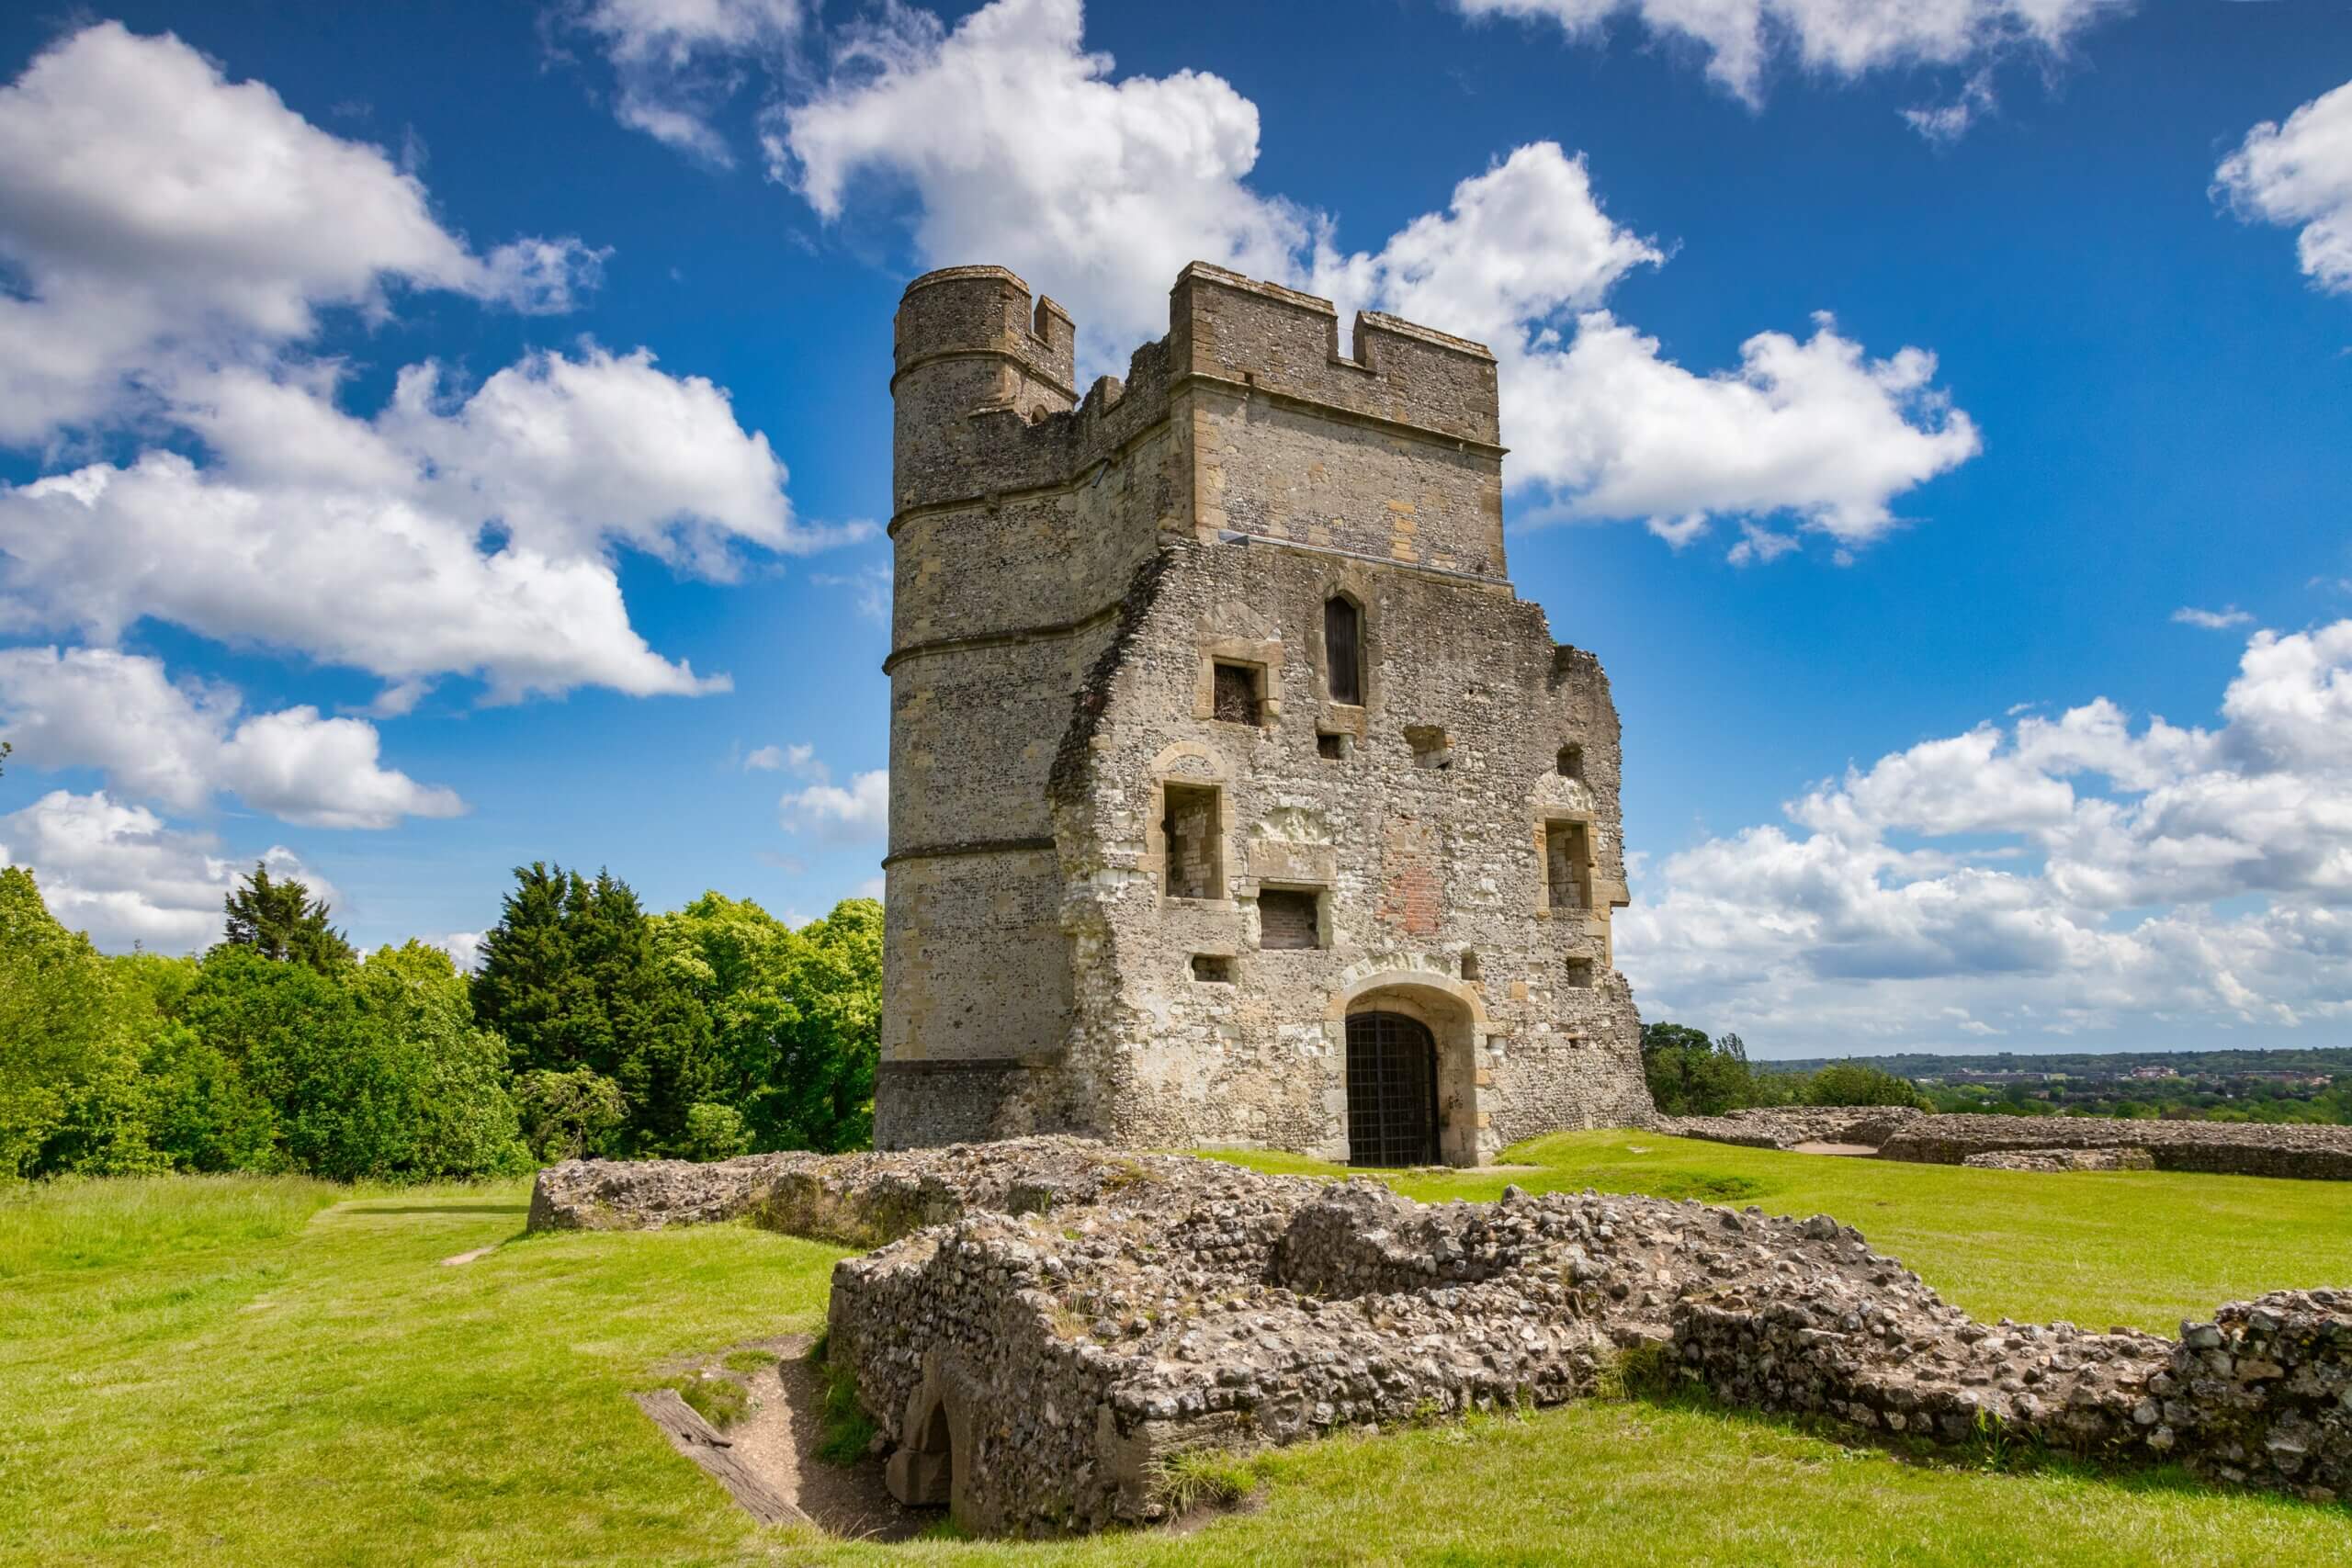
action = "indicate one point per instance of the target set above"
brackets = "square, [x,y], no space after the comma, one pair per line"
[278,1372]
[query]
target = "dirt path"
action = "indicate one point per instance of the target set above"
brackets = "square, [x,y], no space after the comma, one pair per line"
[777,1445]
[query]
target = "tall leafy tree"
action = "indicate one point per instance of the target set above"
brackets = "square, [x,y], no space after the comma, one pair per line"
[68,1046]
[795,1015]
[571,977]
[281,920]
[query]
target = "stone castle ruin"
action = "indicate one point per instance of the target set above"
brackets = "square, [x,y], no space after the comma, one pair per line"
[1235,797]
[1047,1326]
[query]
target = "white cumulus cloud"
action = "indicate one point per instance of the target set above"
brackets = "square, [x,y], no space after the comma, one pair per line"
[159,215]
[675,62]
[2298,174]
[117,872]
[1596,415]
[832,815]
[180,745]
[1023,149]
[1835,38]
[1021,146]
[2076,875]
[467,536]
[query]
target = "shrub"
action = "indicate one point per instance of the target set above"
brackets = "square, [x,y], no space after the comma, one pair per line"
[714,1132]
[568,1115]
[1851,1083]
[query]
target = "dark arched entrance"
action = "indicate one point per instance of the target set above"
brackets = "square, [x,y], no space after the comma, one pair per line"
[1392,1090]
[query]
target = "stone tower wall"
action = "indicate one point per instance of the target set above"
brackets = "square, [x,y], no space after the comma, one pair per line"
[1067,577]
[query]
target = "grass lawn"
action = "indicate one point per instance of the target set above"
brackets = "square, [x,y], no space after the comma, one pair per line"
[274,1371]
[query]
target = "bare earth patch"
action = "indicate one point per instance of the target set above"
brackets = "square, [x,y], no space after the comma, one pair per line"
[767,1461]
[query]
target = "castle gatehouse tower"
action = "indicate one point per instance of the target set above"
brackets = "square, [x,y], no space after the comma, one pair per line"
[1234,797]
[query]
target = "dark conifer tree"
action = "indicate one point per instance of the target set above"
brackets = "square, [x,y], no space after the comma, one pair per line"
[280,920]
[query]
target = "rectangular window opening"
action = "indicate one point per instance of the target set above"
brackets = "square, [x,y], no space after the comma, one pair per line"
[1431,746]
[1343,650]
[1567,864]
[1288,917]
[1236,694]
[1192,841]
[1580,972]
[1331,748]
[1215,968]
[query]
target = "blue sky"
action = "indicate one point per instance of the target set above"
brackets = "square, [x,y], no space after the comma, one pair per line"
[320,387]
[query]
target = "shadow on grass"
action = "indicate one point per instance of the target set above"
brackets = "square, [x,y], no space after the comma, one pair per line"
[436,1208]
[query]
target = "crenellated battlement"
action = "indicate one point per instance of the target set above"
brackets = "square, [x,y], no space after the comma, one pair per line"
[985,376]
[1278,340]
[965,313]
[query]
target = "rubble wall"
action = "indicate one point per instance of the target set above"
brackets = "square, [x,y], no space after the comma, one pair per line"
[1055,1321]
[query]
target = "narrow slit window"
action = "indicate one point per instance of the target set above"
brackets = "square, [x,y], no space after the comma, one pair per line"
[1343,650]
[1287,919]
[1469,965]
[1567,866]
[1236,694]
[1187,827]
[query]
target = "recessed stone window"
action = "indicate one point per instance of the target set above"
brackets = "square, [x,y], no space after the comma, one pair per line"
[1331,748]
[1580,972]
[1469,965]
[1235,692]
[1343,650]
[1215,968]
[1571,762]
[1568,865]
[1431,746]
[1288,917]
[1189,838]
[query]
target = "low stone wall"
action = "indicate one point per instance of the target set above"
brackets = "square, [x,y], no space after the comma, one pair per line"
[2238,1148]
[2233,1148]
[1066,1320]
[2064,1159]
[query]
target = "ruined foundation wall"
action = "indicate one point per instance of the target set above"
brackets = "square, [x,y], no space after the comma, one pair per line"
[1058,1320]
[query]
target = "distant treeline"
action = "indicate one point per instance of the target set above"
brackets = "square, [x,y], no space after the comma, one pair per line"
[1916,1064]
[1691,1074]
[593,1027]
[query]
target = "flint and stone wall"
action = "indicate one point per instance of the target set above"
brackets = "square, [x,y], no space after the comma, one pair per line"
[1067,574]
[1046,1324]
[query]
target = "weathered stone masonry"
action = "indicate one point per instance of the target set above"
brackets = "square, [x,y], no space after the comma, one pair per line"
[1235,797]
[1060,1321]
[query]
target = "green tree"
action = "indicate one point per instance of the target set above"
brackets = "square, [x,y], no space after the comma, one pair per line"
[201,1113]
[567,1115]
[68,1054]
[280,920]
[570,975]
[1691,1075]
[1854,1083]
[795,1015]
[377,1070]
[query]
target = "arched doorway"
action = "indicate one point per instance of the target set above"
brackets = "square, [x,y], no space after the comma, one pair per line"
[1392,1090]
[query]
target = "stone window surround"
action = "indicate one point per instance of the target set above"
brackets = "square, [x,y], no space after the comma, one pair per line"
[1596,907]
[1208,769]
[1341,591]
[1353,583]
[1264,657]
[1323,915]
